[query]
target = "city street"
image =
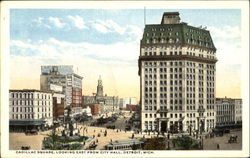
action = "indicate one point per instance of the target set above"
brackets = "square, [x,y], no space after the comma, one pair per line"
[17,140]
[211,144]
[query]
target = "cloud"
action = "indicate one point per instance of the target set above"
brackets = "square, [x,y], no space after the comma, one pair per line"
[56,22]
[41,22]
[54,48]
[132,32]
[108,26]
[227,40]
[101,28]
[78,22]
[226,32]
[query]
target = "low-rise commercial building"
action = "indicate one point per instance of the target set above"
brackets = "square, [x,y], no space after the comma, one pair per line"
[128,100]
[132,107]
[228,111]
[95,109]
[30,109]
[58,105]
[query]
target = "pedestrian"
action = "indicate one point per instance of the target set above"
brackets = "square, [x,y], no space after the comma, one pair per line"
[218,146]
[111,140]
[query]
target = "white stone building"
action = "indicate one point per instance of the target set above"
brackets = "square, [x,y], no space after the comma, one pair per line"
[228,111]
[238,111]
[128,100]
[177,77]
[30,109]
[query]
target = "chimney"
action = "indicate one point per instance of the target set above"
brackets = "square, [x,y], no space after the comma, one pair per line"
[170,18]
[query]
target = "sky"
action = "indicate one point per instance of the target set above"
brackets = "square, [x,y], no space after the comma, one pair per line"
[106,42]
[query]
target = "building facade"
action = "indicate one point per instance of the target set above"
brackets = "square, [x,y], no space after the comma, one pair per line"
[127,100]
[30,109]
[107,103]
[228,111]
[58,105]
[177,77]
[132,107]
[63,75]
[238,111]
[95,109]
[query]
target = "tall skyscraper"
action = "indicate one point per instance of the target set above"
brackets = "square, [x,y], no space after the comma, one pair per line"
[177,77]
[64,76]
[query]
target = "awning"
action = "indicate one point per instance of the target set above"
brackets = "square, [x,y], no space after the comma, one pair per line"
[24,123]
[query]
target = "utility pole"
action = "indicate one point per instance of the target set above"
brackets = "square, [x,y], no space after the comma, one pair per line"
[144,16]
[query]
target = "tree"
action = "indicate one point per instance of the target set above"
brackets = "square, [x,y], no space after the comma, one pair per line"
[155,144]
[185,143]
[53,139]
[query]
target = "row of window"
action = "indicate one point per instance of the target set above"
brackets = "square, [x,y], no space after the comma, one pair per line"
[210,107]
[163,115]
[180,63]
[169,39]
[163,40]
[162,53]
[224,119]
[154,64]
[164,89]
[29,109]
[30,96]
[210,114]
[177,47]
[29,116]
[191,89]
[225,107]
[22,109]
[172,76]
[225,112]
[176,101]
[189,95]
[25,103]
[22,116]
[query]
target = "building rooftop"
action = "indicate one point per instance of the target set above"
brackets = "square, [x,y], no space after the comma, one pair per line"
[29,90]
[174,32]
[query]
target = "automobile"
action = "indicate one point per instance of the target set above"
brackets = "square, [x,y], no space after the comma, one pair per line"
[111,127]
[127,128]
[31,132]
[25,147]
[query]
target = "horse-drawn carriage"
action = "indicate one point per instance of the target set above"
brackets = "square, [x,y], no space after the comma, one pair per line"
[232,139]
